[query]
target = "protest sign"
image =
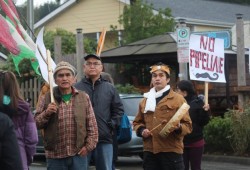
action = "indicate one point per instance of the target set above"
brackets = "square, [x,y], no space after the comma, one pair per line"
[206,59]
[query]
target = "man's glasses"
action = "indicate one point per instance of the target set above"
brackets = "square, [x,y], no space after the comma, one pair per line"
[95,64]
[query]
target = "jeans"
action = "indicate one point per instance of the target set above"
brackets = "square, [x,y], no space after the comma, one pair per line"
[103,156]
[76,162]
[162,161]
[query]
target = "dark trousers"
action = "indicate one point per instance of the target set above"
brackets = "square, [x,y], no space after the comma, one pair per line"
[192,157]
[162,161]
[115,148]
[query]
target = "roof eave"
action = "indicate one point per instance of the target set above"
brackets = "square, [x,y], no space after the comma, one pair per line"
[205,22]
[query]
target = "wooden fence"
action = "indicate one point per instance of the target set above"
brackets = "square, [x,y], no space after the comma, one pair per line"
[30,89]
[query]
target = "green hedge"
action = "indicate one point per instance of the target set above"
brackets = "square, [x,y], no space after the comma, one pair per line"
[229,134]
[127,89]
[217,135]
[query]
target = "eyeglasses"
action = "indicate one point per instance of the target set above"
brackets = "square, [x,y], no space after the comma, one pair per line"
[95,64]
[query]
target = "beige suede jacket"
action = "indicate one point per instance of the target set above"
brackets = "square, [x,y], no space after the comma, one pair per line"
[164,110]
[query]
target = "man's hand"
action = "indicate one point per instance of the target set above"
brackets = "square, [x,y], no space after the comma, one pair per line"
[175,128]
[206,107]
[146,133]
[83,151]
[52,108]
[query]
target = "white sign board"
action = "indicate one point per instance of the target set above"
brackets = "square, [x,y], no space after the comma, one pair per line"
[183,37]
[206,59]
[183,55]
[183,44]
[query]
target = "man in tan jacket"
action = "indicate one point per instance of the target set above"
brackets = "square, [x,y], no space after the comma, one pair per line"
[156,109]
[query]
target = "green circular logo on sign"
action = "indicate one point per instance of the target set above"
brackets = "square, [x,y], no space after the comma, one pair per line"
[183,33]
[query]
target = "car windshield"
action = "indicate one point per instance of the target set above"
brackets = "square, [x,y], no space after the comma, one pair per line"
[131,105]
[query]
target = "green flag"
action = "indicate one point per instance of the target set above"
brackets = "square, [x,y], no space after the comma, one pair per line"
[20,45]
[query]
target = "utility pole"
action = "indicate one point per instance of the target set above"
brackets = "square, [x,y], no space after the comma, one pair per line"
[241,70]
[58,49]
[79,53]
[30,17]
[183,33]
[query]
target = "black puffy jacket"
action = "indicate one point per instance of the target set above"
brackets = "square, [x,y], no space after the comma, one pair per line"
[107,106]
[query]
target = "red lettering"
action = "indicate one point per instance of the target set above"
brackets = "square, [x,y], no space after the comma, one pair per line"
[214,65]
[203,44]
[206,62]
[211,63]
[191,57]
[221,61]
[198,56]
[211,44]
[207,43]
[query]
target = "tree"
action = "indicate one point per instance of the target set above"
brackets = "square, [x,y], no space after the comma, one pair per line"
[68,41]
[139,22]
[68,47]
[39,12]
[43,10]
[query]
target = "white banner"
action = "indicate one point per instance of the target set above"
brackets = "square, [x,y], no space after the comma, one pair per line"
[206,59]
[42,57]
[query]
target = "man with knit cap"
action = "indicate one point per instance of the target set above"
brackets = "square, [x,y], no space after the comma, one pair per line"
[69,124]
[155,110]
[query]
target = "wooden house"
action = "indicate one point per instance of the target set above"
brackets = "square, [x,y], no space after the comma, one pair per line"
[94,15]
[200,16]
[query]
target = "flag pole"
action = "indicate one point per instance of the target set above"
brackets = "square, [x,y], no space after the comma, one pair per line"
[50,74]
[40,52]
[101,42]
[206,93]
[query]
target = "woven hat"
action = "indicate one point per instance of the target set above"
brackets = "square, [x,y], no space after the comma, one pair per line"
[64,65]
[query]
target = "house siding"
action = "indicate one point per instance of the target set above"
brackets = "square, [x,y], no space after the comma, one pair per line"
[90,15]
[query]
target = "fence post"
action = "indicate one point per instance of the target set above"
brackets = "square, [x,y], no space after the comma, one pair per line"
[241,73]
[57,49]
[79,53]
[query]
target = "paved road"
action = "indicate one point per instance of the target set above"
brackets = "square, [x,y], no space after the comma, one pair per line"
[135,163]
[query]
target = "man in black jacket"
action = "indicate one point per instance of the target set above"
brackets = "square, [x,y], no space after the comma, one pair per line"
[107,106]
[10,158]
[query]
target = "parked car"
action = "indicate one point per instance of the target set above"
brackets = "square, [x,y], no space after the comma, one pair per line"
[134,146]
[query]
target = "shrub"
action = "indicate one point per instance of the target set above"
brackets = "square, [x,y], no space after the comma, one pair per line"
[217,133]
[229,134]
[127,89]
[240,135]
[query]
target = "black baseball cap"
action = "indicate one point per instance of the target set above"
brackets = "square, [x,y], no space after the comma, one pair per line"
[93,56]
